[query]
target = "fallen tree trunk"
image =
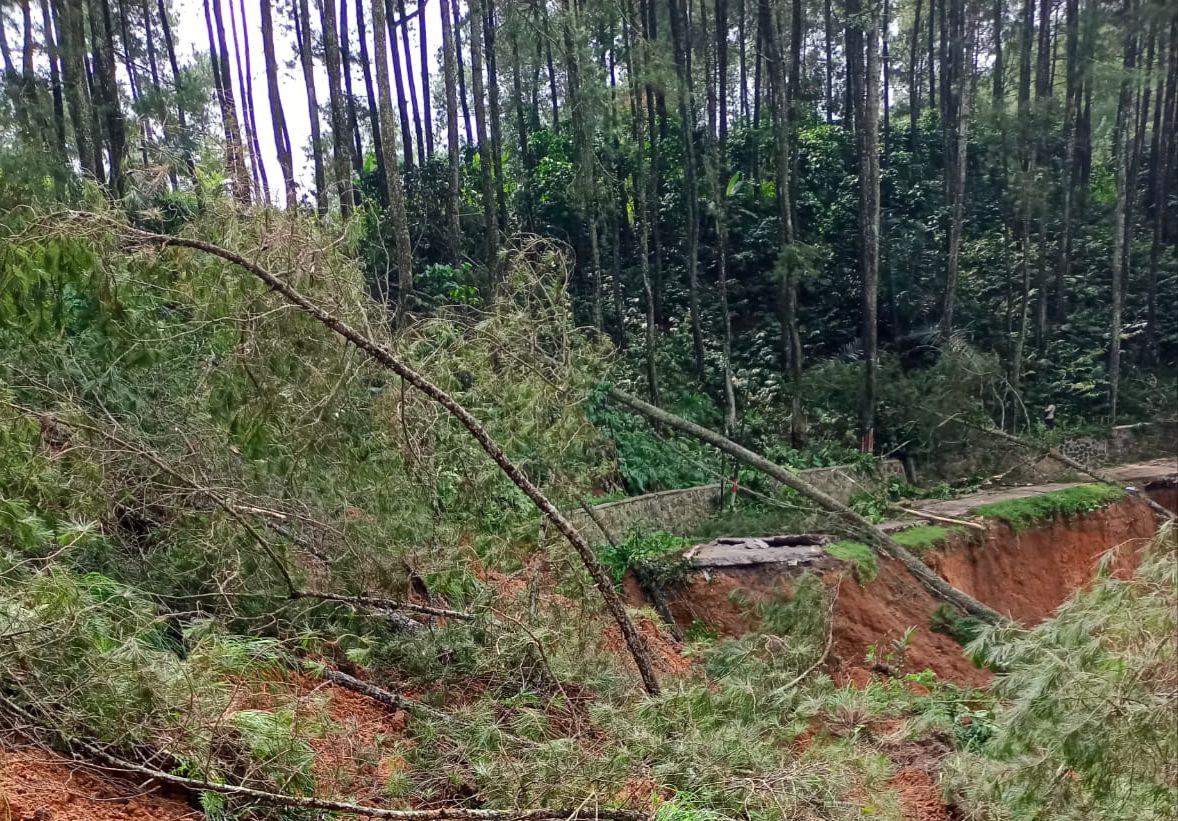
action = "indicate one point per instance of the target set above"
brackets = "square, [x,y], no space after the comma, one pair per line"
[384,357]
[858,526]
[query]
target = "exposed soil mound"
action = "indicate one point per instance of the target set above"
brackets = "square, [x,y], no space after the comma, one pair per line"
[664,650]
[1028,575]
[879,613]
[37,785]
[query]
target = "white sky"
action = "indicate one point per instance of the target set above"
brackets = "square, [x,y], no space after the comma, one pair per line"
[191,36]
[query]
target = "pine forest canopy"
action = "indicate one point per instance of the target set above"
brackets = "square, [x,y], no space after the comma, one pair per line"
[753,191]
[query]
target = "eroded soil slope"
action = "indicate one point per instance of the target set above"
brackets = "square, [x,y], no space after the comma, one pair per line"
[1026,575]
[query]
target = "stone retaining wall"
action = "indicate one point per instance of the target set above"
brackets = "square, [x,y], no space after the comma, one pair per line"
[1008,464]
[684,511]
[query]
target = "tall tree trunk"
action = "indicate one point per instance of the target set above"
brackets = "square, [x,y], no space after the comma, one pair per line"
[932,54]
[680,37]
[302,26]
[234,152]
[963,75]
[494,112]
[886,60]
[462,70]
[1161,166]
[783,128]
[424,58]
[393,194]
[416,109]
[1042,105]
[722,71]
[1026,155]
[96,123]
[340,152]
[181,116]
[655,135]
[1070,133]
[584,180]
[149,38]
[1020,342]
[552,93]
[863,70]
[797,28]
[246,85]
[130,58]
[914,91]
[53,58]
[743,70]
[717,144]
[370,94]
[399,82]
[636,72]
[999,69]
[1122,148]
[110,109]
[71,40]
[522,130]
[453,185]
[828,62]
[356,143]
[277,115]
[486,163]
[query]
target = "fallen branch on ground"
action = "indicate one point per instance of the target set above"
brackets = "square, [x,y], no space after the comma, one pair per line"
[642,572]
[384,357]
[378,603]
[380,695]
[858,526]
[932,517]
[297,802]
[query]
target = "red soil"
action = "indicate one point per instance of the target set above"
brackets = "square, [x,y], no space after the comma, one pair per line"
[920,800]
[1028,575]
[878,614]
[36,785]
[665,652]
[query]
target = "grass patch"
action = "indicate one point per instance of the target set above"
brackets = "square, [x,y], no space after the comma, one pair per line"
[924,537]
[1022,514]
[864,558]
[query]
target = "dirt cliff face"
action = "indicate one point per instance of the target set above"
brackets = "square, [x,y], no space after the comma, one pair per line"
[1025,575]
[1028,575]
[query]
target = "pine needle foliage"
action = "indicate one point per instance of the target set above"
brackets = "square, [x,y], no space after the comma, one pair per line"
[1087,726]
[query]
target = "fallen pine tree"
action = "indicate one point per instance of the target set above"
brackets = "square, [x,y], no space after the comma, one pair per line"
[855,524]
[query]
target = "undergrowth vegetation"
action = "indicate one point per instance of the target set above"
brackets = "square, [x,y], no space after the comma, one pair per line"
[1086,723]
[186,464]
